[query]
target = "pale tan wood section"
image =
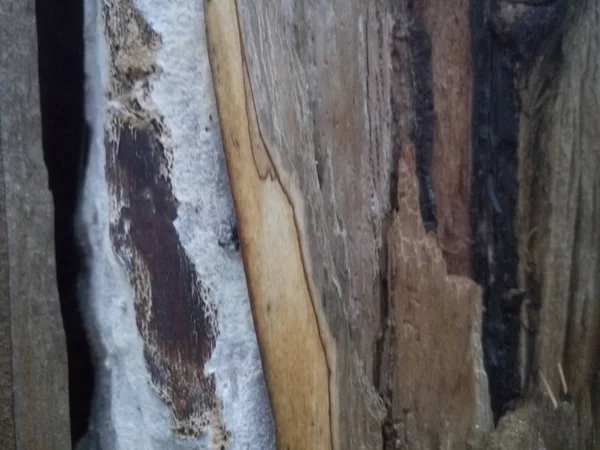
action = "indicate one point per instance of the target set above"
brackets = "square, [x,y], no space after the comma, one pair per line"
[320,86]
[440,387]
[294,350]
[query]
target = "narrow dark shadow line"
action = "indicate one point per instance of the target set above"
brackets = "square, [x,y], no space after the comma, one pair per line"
[64,134]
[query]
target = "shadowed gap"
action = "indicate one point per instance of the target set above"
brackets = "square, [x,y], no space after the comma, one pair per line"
[64,134]
[494,191]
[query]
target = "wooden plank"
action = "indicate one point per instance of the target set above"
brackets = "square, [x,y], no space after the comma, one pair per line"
[294,346]
[314,103]
[560,241]
[323,100]
[34,405]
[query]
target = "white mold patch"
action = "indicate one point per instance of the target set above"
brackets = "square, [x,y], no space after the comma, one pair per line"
[128,413]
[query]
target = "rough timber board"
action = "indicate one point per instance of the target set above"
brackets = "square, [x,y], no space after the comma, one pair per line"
[33,364]
[293,347]
[322,104]
[559,232]
[319,82]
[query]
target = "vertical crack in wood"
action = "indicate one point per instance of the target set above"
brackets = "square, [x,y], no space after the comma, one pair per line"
[422,129]
[494,194]
[507,36]
[172,305]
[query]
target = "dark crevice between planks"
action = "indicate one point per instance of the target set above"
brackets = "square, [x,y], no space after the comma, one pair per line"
[382,363]
[504,45]
[422,129]
[65,139]
[416,47]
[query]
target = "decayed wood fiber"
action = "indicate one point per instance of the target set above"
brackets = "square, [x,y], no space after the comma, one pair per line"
[314,103]
[440,397]
[305,107]
[560,237]
[292,344]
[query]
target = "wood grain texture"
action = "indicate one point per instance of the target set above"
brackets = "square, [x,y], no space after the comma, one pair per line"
[447,24]
[440,388]
[314,78]
[33,363]
[314,102]
[323,100]
[293,346]
[559,216]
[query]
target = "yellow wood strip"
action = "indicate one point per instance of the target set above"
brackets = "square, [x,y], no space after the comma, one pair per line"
[292,346]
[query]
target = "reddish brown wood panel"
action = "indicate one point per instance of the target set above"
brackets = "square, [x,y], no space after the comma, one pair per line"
[447,25]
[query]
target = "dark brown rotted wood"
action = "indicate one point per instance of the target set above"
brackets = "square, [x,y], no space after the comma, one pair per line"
[442,81]
[170,311]
[172,304]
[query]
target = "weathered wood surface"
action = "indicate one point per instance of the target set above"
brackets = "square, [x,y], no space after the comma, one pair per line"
[381,170]
[33,363]
[314,103]
[378,169]
[559,235]
[283,150]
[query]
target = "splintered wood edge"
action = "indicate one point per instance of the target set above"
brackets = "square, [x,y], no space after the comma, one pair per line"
[297,350]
